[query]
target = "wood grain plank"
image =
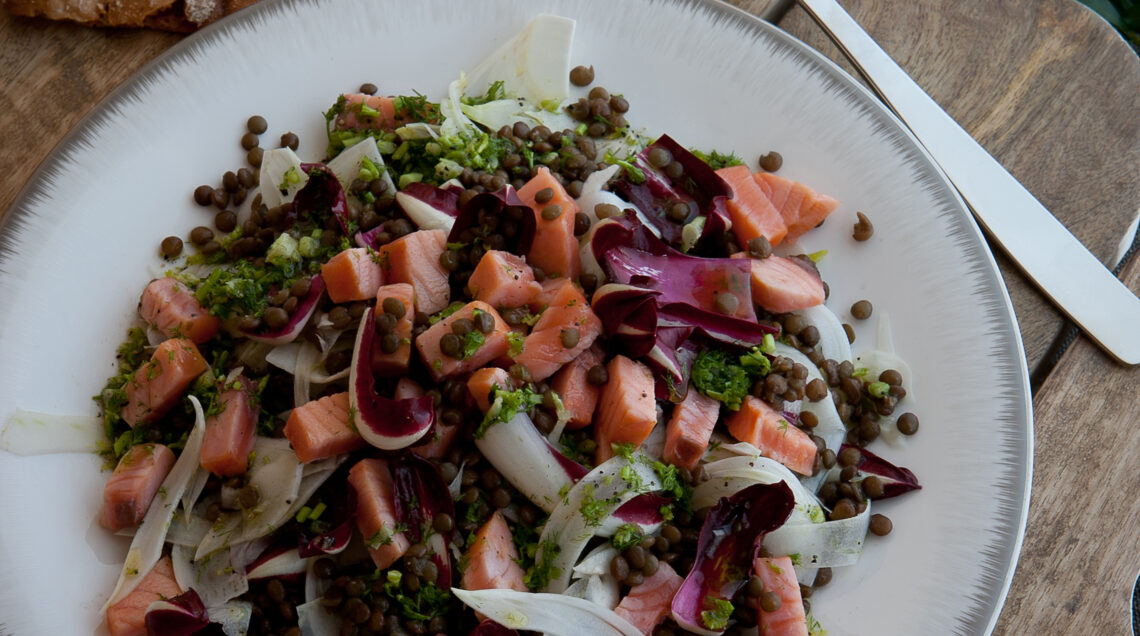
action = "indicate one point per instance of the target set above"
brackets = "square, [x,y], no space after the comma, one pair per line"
[1047,87]
[54,73]
[1082,546]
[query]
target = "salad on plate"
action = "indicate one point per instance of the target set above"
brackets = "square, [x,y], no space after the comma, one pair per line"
[502,362]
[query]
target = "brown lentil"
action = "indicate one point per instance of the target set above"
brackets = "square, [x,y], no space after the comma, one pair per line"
[726,303]
[290,140]
[908,424]
[606,210]
[582,75]
[552,212]
[759,247]
[598,92]
[569,337]
[201,235]
[863,229]
[256,124]
[220,198]
[772,161]
[581,223]
[850,331]
[844,509]
[861,310]
[171,246]
[597,375]
[368,88]
[450,345]
[254,157]
[385,323]
[880,525]
[619,104]
[770,601]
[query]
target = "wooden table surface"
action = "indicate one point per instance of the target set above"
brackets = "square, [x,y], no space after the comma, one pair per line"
[1045,86]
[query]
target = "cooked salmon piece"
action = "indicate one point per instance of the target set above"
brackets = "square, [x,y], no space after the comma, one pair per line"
[764,427]
[442,366]
[502,279]
[366,112]
[689,429]
[376,511]
[414,259]
[801,207]
[352,275]
[566,319]
[649,602]
[407,388]
[128,616]
[133,485]
[322,428]
[627,410]
[158,384]
[492,559]
[779,576]
[555,248]
[483,381]
[578,396]
[439,442]
[781,285]
[231,431]
[750,210]
[172,309]
[395,364]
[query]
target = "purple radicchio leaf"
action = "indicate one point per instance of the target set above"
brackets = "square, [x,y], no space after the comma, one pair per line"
[730,538]
[322,195]
[507,210]
[896,479]
[689,280]
[297,320]
[629,315]
[698,187]
[383,422]
[178,616]
[421,495]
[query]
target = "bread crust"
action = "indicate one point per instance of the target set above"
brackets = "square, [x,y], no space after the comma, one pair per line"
[182,16]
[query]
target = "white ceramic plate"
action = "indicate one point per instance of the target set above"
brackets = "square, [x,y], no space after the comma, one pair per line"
[78,246]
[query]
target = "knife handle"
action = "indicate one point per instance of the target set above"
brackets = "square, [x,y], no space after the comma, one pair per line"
[1045,251]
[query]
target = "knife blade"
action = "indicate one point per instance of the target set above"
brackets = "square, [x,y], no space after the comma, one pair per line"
[1045,251]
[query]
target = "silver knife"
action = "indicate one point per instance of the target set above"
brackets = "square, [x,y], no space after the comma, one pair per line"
[1042,247]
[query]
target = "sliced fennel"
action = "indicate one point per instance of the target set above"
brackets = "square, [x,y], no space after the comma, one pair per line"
[580,513]
[281,176]
[821,545]
[146,547]
[748,467]
[525,458]
[534,64]
[555,614]
[276,474]
[216,579]
[833,341]
[30,433]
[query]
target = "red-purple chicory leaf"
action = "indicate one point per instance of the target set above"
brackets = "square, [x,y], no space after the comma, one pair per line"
[181,615]
[730,538]
[896,479]
[297,320]
[383,422]
[421,496]
[321,195]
